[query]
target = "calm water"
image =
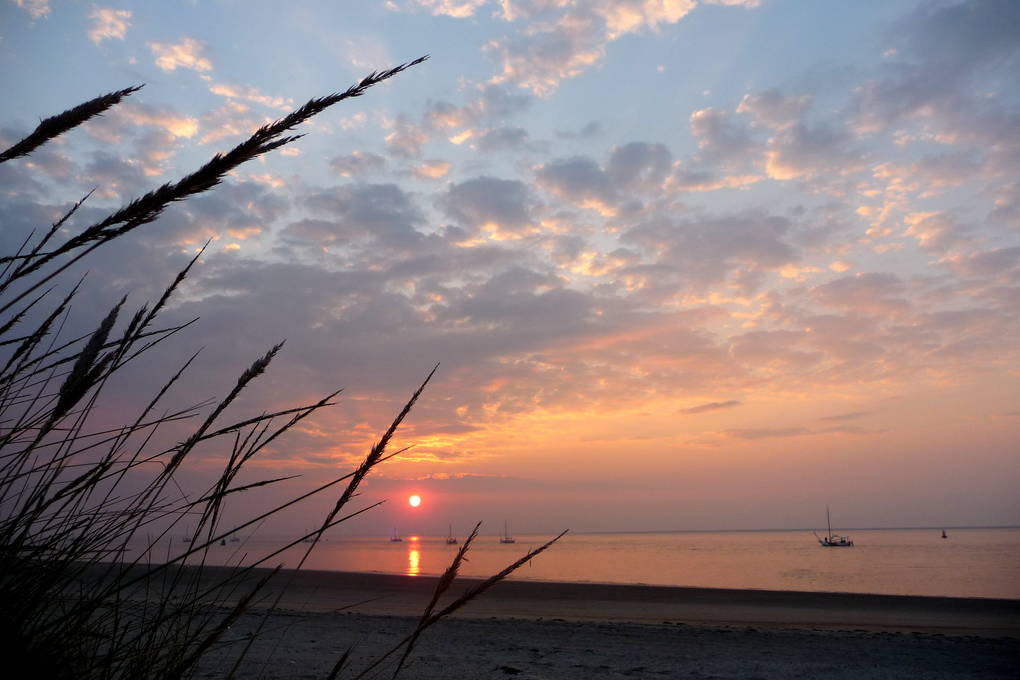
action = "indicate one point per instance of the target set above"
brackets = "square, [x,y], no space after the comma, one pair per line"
[970,563]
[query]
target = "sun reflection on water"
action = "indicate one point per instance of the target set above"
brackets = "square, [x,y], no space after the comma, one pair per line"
[413,562]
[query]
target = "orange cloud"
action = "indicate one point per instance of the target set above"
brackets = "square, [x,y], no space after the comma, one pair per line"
[178,126]
[108,23]
[432,170]
[186,54]
[251,94]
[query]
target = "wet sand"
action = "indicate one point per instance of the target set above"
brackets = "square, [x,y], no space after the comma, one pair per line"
[574,630]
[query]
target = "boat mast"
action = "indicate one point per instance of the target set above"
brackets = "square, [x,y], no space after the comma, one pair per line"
[827,522]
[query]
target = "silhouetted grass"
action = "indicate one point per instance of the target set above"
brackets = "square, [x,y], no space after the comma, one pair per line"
[75,601]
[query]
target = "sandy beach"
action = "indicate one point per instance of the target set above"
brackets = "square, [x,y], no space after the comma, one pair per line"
[571,630]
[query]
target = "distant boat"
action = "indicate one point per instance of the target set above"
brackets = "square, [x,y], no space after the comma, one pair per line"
[235,539]
[450,540]
[395,538]
[223,541]
[506,537]
[944,534]
[831,540]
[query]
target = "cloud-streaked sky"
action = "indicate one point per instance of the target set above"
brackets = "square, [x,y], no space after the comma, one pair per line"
[685,264]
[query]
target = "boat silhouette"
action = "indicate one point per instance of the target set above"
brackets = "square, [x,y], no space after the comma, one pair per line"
[506,537]
[831,540]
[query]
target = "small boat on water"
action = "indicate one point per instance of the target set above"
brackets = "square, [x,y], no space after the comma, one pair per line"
[506,537]
[831,540]
[450,540]
[395,538]
[944,534]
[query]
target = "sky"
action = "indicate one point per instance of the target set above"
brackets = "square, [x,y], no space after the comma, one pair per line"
[684,265]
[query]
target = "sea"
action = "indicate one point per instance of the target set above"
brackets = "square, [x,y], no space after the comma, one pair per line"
[969,562]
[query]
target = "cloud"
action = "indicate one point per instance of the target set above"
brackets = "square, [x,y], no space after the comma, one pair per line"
[945,49]
[163,118]
[776,352]
[719,137]
[684,179]
[37,9]
[994,262]
[114,176]
[154,148]
[854,415]
[108,23]
[488,103]
[774,109]
[963,35]
[432,169]
[711,406]
[590,129]
[750,4]
[631,16]
[850,429]
[502,139]
[706,250]
[806,151]
[639,165]
[564,38]
[357,163]
[935,232]
[458,9]
[233,119]
[149,134]
[798,149]
[406,138]
[251,94]
[488,204]
[481,122]
[753,433]
[186,54]
[539,62]
[238,209]
[379,213]
[864,293]
[579,180]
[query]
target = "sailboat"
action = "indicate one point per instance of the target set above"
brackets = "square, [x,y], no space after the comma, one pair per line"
[394,538]
[831,540]
[944,534]
[450,540]
[506,538]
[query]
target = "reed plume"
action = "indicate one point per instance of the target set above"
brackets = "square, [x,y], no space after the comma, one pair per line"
[54,126]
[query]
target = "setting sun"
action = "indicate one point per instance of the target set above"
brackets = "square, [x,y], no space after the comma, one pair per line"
[414,501]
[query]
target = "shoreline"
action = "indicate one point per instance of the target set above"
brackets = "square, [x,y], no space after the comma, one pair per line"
[577,631]
[373,594]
